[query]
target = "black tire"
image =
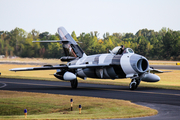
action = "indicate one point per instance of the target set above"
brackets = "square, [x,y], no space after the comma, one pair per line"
[132,86]
[74,84]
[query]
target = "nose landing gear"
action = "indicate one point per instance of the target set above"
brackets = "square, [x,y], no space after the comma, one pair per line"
[134,84]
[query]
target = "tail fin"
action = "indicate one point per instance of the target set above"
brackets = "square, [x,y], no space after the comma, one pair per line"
[71,48]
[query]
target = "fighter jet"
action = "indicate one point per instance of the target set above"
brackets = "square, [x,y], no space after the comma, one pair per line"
[120,63]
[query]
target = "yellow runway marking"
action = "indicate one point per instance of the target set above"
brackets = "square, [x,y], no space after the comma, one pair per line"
[97,88]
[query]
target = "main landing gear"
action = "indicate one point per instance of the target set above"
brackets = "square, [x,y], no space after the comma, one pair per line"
[74,84]
[134,84]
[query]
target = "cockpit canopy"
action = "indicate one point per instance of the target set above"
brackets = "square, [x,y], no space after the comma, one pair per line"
[126,50]
[115,50]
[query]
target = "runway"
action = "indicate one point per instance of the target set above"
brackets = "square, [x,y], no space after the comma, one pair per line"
[167,102]
[167,67]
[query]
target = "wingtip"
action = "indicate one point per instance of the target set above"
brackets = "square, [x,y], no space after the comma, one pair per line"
[12,70]
[21,69]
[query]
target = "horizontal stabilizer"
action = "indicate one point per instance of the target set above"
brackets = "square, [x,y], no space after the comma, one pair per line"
[45,41]
[67,58]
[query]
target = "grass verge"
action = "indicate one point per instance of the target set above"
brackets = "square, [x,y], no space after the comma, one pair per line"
[42,106]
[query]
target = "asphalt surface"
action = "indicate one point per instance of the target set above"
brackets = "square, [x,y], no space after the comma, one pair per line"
[167,67]
[167,102]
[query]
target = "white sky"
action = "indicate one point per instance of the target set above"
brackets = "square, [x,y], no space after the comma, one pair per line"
[89,15]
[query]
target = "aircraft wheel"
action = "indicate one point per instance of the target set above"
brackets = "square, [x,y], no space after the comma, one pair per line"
[74,84]
[133,85]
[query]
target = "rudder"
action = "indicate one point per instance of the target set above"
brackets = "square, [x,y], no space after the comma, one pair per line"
[71,48]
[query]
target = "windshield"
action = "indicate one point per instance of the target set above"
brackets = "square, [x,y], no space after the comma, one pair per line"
[128,50]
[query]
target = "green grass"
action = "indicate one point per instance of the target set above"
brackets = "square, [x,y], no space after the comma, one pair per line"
[51,106]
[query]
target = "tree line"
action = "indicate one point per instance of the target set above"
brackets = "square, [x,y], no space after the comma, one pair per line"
[161,45]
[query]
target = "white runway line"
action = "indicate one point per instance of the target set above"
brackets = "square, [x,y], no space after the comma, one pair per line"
[3,85]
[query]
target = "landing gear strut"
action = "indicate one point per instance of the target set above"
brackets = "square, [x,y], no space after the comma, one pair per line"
[74,84]
[134,84]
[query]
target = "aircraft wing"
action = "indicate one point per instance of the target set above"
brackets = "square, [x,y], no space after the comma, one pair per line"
[152,70]
[50,67]
[45,67]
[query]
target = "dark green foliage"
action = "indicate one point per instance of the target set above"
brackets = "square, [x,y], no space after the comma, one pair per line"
[162,45]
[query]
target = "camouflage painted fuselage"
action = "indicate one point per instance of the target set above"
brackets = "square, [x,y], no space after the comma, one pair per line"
[120,66]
